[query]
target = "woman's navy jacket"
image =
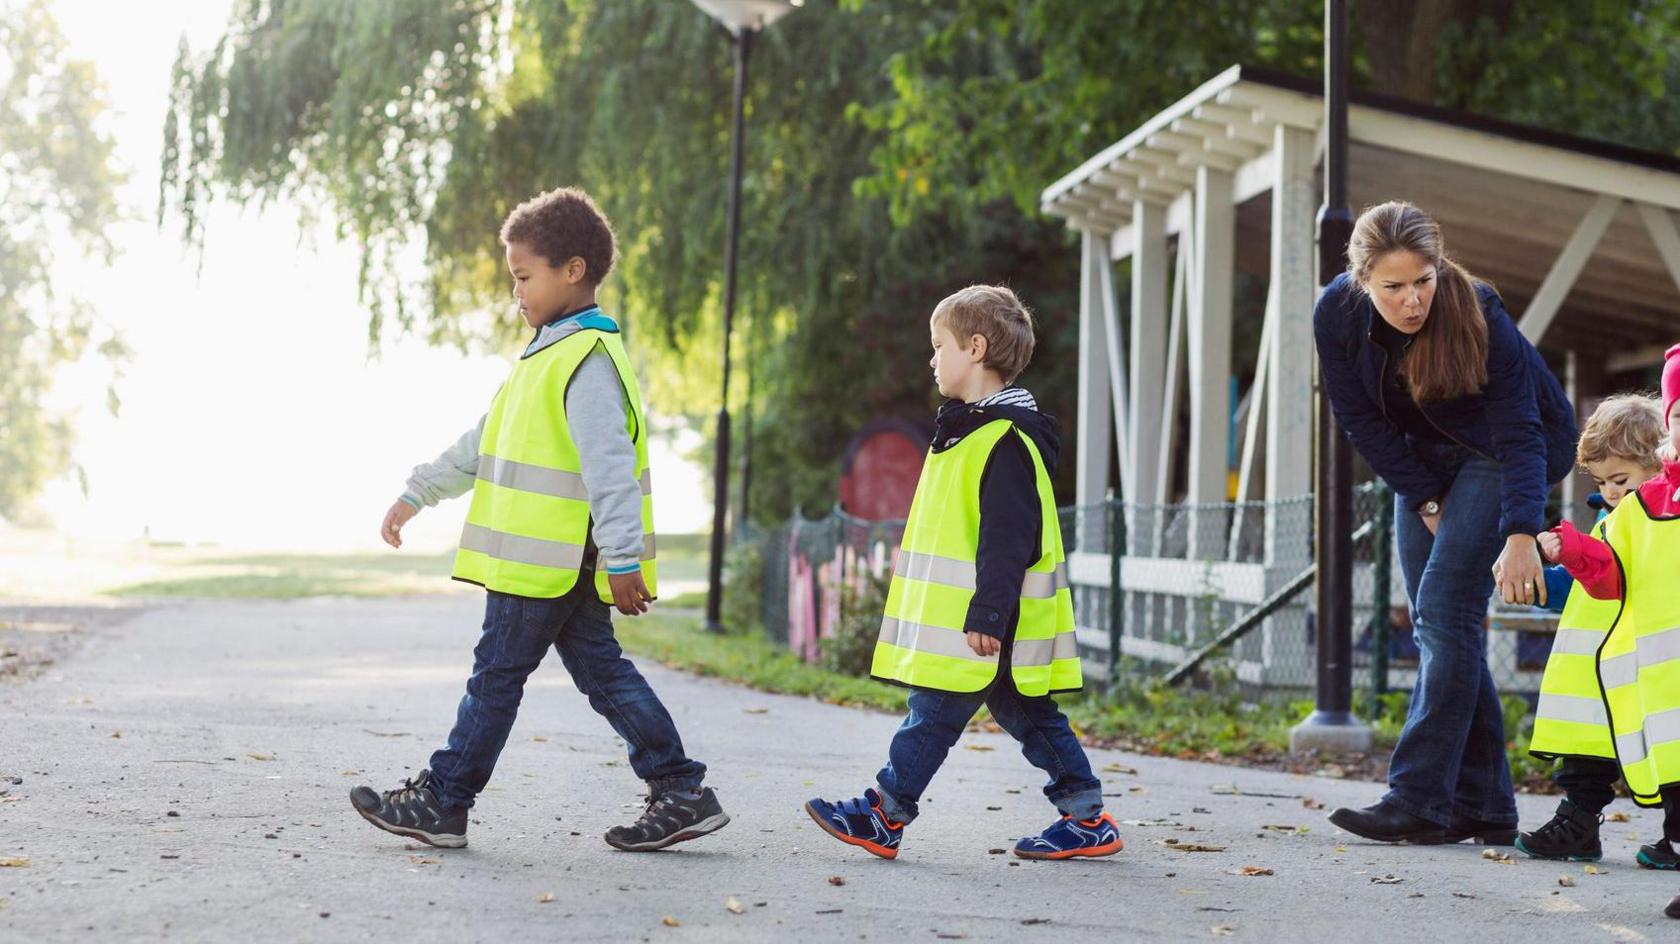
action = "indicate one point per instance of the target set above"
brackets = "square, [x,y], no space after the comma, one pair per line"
[1521,419]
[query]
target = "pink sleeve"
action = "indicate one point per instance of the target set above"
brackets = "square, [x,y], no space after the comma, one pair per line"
[1589,561]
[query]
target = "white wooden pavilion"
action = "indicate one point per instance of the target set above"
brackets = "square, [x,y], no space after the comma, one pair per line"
[1579,236]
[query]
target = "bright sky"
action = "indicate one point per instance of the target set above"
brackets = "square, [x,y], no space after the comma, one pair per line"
[252,417]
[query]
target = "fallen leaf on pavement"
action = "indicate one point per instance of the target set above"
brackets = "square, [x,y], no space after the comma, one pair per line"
[1566,881]
[1463,895]
[1494,855]
[255,756]
[996,851]
[1035,920]
[836,880]
[1595,870]
[116,734]
[1222,930]
[756,711]
[421,860]
[1311,803]
[1616,817]
[1119,769]
[545,898]
[1190,846]
[979,747]
[1341,848]
[14,862]
[538,738]
[387,734]
[1249,870]
[732,905]
[670,922]
[1386,880]
[1292,830]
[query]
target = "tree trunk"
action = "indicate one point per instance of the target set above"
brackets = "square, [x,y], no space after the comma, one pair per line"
[1402,39]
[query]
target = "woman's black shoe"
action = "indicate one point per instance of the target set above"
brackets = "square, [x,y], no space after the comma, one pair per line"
[1482,832]
[1385,823]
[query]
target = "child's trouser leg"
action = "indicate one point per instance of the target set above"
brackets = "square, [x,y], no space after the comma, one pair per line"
[517,633]
[1589,783]
[935,722]
[1049,744]
[1671,815]
[619,694]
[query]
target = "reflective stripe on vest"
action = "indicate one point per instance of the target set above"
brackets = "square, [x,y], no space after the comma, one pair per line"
[922,642]
[1570,719]
[528,527]
[1640,663]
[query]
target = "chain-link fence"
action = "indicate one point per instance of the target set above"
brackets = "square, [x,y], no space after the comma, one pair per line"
[1214,595]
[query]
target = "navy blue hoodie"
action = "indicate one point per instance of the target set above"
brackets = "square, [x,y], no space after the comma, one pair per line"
[1011,522]
[1521,419]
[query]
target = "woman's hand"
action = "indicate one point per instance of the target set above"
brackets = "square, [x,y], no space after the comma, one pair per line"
[1432,522]
[1518,571]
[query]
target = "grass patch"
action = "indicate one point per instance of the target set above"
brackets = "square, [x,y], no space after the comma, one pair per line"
[750,660]
[290,585]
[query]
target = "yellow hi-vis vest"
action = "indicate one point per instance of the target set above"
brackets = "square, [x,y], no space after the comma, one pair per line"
[1639,665]
[922,642]
[1570,720]
[529,524]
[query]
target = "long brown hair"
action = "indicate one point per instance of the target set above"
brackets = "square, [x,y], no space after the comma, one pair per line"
[1448,357]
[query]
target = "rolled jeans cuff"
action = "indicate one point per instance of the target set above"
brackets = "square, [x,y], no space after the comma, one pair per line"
[1086,804]
[892,808]
[665,785]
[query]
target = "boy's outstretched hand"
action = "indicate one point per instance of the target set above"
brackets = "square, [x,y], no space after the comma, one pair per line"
[399,515]
[1550,545]
[984,645]
[630,593]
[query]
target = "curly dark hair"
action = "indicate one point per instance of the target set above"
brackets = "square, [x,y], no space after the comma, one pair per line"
[562,225]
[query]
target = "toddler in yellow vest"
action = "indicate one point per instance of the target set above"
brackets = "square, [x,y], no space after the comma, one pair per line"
[979,611]
[1618,449]
[560,526]
[1636,565]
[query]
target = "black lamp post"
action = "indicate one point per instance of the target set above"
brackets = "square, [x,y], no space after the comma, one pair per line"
[743,19]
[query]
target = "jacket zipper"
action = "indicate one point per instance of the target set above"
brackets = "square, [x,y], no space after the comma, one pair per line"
[1382,404]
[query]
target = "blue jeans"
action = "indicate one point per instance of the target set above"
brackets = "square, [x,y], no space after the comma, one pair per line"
[1450,760]
[517,633]
[937,719]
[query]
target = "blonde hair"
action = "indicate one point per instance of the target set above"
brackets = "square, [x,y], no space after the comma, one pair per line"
[1626,426]
[1448,357]
[994,313]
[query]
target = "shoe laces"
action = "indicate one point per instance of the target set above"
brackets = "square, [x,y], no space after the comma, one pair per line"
[1564,825]
[410,789]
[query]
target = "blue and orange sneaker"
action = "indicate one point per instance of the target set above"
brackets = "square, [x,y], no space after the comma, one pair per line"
[859,822]
[1067,838]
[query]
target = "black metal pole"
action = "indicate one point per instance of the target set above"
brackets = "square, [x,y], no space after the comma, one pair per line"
[1334,506]
[720,467]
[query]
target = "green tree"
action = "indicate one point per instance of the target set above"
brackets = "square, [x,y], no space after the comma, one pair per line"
[57,190]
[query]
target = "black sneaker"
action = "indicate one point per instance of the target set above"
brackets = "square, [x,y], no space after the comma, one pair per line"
[1658,855]
[1570,835]
[413,810]
[670,818]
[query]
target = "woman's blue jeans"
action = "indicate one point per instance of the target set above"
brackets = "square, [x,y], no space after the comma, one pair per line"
[1450,761]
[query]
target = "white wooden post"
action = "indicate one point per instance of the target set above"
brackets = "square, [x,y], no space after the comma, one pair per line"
[1148,349]
[1285,655]
[1210,356]
[1289,413]
[1095,399]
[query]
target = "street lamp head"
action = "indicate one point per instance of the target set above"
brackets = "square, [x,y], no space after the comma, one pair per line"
[747,16]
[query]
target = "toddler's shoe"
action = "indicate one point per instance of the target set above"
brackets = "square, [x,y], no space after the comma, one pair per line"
[859,822]
[413,810]
[1571,835]
[670,818]
[1658,855]
[1068,837]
